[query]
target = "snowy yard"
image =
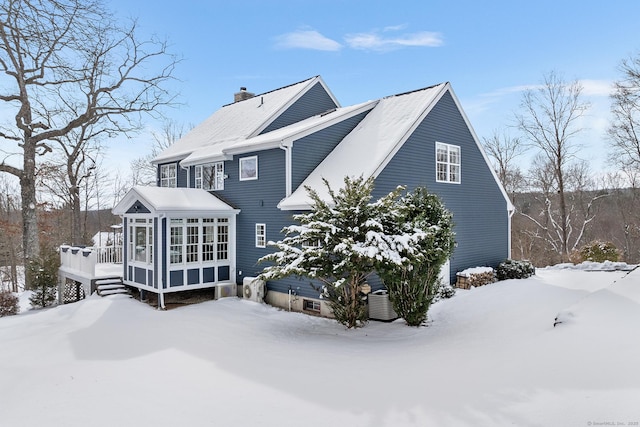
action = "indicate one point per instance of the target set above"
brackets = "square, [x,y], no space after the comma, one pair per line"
[489,357]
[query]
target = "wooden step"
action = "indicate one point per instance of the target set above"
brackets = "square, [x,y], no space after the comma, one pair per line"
[110,281]
[113,292]
[108,287]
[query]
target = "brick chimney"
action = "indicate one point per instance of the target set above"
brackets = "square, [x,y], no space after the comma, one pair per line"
[242,95]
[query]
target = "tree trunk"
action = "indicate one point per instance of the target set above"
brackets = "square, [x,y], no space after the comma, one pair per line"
[30,236]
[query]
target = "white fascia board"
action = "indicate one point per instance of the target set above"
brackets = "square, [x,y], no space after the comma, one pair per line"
[186,162]
[182,213]
[169,159]
[289,139]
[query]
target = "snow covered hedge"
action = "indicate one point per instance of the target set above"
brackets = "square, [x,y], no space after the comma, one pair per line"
[512,269]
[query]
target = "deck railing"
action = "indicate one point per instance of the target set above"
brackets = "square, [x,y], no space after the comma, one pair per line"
[85,259]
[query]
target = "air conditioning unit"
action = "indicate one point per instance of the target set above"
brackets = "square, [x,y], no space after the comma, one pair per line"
[226,290]
[253,289]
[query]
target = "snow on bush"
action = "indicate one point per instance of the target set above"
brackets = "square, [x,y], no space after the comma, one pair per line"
[598,251]
[513,269]
[9,304]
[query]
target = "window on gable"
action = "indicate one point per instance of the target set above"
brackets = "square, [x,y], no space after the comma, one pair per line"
[168,175]
[447,163]
[261,235]
[210,176]
[248,168]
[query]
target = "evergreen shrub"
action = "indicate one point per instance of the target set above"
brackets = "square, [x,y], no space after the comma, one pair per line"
[598,251]
[513,269]
[44,273]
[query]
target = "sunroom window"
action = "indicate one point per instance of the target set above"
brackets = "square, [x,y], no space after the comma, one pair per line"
[141,240]
[195,240]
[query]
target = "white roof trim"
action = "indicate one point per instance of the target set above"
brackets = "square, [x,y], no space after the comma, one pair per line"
[194,201]
[298,130]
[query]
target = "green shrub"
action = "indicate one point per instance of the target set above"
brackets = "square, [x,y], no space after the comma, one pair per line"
[9,304]
[512,269]
[44,273]
[598,251]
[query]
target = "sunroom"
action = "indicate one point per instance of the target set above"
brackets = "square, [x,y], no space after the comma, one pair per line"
[177,239]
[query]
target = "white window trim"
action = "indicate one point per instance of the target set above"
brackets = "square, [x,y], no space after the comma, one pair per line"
[448,163]
[217,179]
[262,236]
[240,163]
[147,224]
[166,177]
[200,224]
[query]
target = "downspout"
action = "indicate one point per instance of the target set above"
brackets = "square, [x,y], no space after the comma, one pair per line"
[159,254]
[188,169]
[511,211]
[286,145]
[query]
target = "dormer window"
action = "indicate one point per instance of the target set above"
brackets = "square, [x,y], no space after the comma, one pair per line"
[168,175]
[210,176]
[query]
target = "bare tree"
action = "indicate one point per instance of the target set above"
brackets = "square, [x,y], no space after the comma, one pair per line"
[65,64]
[624,128]
[10,232]
[504,150]
[549,121]
[143,172]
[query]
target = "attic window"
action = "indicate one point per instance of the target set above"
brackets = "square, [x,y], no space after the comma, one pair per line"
[448,163]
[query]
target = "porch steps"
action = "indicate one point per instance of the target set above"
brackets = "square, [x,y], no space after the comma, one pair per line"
[114,286]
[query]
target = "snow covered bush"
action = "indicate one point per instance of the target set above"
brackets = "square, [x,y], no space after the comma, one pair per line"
[9,304]
[598,251]
[413,282]
[513,269]
[44,273]
[338,244]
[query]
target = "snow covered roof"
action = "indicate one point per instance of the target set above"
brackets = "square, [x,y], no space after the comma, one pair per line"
[276,137]
[371,145]
[237,121]
[163,199]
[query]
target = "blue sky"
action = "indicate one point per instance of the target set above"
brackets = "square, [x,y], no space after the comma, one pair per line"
[364,50]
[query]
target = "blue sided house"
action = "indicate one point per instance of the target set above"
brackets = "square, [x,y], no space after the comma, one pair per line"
[231,184]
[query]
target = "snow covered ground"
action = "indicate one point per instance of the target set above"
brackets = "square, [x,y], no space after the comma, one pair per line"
[490,356]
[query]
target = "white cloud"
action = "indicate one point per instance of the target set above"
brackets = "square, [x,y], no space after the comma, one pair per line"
[596,87]
[376,42]
[306,39]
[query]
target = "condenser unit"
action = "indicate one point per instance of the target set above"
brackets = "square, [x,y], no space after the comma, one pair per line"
[253,289]
[226,290]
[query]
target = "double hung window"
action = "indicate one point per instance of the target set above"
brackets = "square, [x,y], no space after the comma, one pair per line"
[210,176]
[168,175]
[447,163]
